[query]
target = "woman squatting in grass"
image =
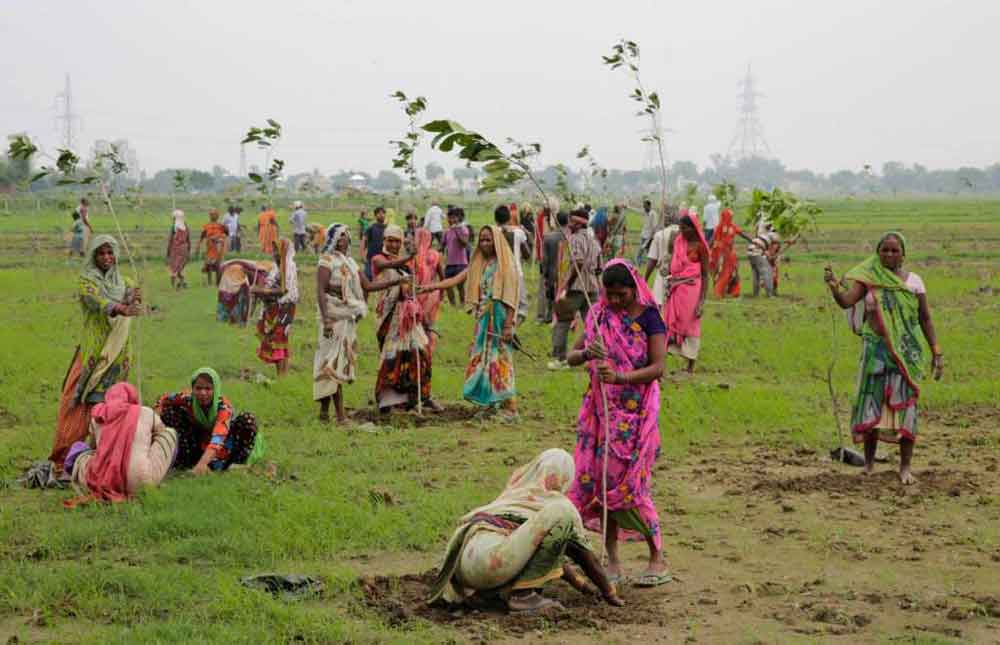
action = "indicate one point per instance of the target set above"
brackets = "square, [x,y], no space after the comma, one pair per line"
[890,303]
[514,545]
[623,346]
[210,435]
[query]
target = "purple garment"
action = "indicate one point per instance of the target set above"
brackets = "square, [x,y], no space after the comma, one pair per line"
[455,239]
[77,449]
[633,423]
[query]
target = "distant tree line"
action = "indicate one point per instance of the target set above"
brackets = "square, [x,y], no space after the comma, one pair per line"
[893,178]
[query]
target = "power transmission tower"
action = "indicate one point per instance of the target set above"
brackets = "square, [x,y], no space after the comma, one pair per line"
[67,121]
[243,160]
[748,141]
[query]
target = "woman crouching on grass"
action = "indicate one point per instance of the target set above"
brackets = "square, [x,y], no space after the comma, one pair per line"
[624,346]
[890,304]
[511,547]
[210,435]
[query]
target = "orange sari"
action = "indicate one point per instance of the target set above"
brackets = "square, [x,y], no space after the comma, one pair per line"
[215,243]
[722,261]
[268,233]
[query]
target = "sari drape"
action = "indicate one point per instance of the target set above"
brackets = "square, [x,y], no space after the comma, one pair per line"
[723,261]
[633,423]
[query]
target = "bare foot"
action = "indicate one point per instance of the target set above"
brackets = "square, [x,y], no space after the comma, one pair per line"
[906,477]
[869,470]
[341,419]
[532,602]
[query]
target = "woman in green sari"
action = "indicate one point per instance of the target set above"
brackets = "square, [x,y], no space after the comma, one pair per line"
[511,547]
[108,302]
[890,304]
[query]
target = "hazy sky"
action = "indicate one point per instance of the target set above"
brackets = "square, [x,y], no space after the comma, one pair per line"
[847,82]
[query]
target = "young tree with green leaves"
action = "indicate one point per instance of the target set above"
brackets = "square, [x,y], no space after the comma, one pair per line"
[625,54]
[406,148]
[266,138]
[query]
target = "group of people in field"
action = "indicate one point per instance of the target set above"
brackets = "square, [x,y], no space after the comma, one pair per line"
[109,445]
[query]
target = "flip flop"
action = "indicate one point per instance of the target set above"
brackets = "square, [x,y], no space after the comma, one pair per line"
[652,580]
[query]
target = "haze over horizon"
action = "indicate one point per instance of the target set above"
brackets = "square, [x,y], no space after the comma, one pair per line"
[845,83]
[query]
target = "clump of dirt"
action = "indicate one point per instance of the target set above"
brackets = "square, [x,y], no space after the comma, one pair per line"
[399,600]
[929,483]
[450,414]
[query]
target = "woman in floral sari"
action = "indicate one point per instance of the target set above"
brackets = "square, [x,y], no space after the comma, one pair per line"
[722,260]
[623,346]
[491,288]
[686,288]
[514,545]
[404,374]
[340,293]
[890,305]
[104,356]
[280,294]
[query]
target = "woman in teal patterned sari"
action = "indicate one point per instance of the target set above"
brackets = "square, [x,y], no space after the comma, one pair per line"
[491,289]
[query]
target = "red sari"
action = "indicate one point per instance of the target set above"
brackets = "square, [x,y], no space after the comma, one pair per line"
[722,261]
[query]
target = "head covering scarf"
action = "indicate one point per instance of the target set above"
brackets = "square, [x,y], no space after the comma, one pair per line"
[392,231]
[110,283]
[505,280]
[543,481]
[288,274]
[207,419]
[333,235]
[118,415]
[896,315]
[179,224]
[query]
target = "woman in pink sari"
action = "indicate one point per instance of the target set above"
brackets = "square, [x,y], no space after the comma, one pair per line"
[623,347]
[427,270]
[687,285]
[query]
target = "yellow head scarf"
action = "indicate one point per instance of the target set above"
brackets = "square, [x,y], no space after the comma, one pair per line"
[505,282]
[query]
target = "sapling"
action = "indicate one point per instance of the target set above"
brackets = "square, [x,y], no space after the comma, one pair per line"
[266,138]
[625,54]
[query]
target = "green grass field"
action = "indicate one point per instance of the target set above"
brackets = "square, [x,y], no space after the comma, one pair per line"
[167,567]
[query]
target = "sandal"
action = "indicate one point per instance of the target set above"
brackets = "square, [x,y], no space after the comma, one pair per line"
[648,580]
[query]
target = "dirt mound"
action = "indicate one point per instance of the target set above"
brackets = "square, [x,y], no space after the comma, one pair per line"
[398,600]
[929,483]
[450,414]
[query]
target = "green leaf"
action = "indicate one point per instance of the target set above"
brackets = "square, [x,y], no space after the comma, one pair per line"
[254,177]
[274,124]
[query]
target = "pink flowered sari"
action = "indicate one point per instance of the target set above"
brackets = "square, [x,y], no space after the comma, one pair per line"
[633,422]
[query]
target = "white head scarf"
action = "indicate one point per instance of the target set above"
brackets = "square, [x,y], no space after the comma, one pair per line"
[179,224]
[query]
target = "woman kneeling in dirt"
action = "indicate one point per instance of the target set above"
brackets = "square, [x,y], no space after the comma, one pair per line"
[511,547]
[890,305]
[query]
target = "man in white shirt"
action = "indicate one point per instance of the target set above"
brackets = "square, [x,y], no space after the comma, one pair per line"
[434,221]
[711,218]
[647,232]
[232,223]
[661,251]
[298,222]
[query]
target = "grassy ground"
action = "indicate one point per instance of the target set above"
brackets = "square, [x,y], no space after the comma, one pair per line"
[770,542]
